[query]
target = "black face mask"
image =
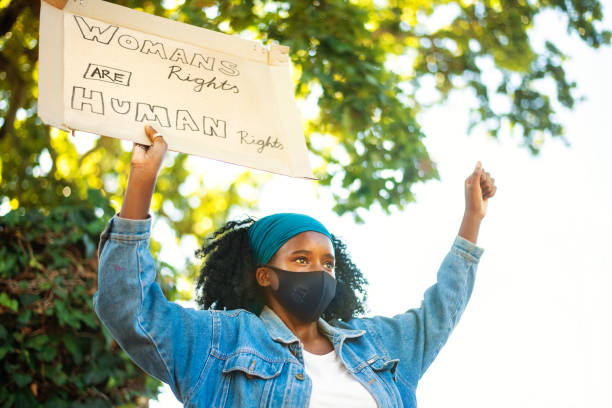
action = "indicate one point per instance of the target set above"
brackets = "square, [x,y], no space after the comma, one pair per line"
[306,295]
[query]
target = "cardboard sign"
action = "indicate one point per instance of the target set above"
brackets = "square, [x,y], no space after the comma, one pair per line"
[109,70]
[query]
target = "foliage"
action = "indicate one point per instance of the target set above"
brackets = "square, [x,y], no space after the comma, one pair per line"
[366,139]
[52,346]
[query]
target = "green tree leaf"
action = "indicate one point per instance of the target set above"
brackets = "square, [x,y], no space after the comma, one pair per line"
[6,301]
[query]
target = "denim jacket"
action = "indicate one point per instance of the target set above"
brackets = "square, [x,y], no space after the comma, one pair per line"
[235,358]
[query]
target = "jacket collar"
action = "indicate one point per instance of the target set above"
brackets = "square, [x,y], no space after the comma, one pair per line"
[281,333]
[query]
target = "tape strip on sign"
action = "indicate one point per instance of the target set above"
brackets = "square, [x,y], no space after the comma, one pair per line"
[110,70]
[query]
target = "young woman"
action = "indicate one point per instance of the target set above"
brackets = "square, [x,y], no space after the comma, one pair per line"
[279,297]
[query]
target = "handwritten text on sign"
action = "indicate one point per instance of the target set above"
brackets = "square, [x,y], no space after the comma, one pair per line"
[203,74]
[109,69]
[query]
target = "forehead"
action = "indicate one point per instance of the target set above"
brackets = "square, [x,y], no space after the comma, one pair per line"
[309,241]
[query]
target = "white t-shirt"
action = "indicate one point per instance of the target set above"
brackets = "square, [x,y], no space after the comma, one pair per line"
[332,385]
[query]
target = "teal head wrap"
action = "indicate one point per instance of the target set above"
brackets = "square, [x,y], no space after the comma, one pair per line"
[268,234]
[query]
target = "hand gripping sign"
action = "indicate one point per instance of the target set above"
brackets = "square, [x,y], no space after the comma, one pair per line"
[110,70]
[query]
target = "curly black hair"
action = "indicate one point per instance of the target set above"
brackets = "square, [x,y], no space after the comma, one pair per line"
[227,276]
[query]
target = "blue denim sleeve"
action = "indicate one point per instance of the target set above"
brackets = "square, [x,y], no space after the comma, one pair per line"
[162,337]
[416,336]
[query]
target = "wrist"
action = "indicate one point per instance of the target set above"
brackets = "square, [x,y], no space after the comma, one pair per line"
[142,176]
[136,208]
[472,216]
[470,225]
[138,195]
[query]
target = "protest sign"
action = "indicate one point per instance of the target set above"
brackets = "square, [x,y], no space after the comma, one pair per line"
[109,70]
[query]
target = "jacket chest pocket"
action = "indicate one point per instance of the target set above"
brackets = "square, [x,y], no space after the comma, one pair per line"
[248,380]
[380,364]
[383,370]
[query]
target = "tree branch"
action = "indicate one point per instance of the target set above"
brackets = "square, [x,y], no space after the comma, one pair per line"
[9,15]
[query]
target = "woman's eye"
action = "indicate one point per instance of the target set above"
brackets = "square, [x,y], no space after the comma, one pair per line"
[301,260]
[330,265]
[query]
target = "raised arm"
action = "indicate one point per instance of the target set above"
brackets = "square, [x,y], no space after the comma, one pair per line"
[416,336]
[144,168]
[158,335]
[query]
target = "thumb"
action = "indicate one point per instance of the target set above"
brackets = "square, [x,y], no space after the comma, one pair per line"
[473,188]
[157,140]
[477,174]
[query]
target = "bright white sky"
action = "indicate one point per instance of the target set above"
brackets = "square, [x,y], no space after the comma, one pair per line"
[536,331]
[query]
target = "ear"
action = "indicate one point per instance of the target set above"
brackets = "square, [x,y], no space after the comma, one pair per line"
[262,274]
[266,278]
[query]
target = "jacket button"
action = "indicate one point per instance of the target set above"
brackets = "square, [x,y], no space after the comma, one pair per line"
[300,376]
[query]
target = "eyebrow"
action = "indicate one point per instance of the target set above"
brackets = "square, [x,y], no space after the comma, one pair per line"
[305,251]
